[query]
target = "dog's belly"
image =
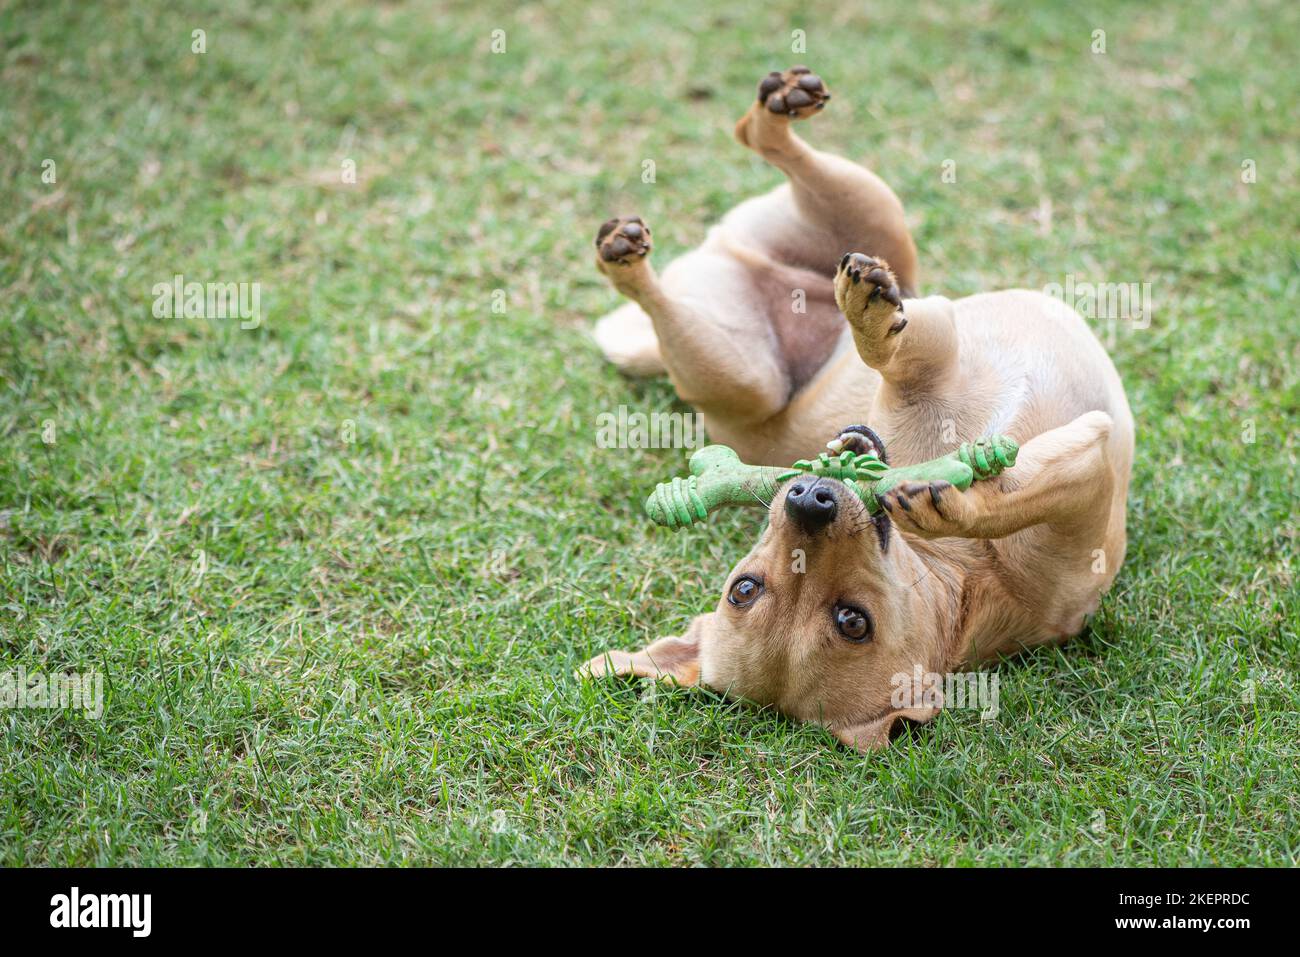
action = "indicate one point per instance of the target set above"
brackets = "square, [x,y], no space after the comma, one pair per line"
[842,393]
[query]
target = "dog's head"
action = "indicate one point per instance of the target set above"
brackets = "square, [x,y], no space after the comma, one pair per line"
[830,614]
[822,616]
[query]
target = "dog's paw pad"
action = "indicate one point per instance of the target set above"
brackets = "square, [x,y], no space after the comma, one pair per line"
[623,240]
[798,92]
[866,290]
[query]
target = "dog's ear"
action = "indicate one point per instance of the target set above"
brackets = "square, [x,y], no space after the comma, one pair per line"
[674,659]
[876,734]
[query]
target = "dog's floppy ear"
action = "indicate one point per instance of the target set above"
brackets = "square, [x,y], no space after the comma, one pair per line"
[674,659]
[916,698]
[876,734]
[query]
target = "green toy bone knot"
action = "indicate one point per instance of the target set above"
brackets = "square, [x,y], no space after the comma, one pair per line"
[846,467]
[719,478]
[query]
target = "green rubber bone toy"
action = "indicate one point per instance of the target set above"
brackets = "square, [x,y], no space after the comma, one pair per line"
[719,478]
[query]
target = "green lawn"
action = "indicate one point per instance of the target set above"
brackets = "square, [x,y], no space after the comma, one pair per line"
[338,569]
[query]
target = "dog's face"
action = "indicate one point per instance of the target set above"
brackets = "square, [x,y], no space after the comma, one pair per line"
[815,619]
[823,618]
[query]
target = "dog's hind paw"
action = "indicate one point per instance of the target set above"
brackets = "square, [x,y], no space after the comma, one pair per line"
[798,92]
[623,240]
[793,95]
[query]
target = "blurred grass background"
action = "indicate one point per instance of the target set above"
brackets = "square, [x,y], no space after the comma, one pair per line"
[331,651]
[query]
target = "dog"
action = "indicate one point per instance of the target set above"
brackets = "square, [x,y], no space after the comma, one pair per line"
[778,337]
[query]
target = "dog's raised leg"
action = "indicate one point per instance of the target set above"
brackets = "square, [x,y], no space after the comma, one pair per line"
[1066,500]
[913,347]
[842,205]
[1061,479]
[706,339]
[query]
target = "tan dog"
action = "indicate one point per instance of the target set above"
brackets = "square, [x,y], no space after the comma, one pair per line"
[829,607]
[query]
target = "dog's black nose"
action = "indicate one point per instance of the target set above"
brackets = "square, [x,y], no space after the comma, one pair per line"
[812,503]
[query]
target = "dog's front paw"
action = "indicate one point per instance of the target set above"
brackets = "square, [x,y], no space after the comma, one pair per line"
[929,509]
[609,664]
[796,93]
[623,241]
[867,294]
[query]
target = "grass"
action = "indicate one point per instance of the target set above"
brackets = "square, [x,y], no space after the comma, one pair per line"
[338,569]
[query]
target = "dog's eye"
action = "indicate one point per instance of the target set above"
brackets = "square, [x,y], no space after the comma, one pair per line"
[744,591]
[853,623]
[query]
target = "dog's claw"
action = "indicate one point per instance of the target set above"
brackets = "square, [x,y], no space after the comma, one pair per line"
[937,488]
